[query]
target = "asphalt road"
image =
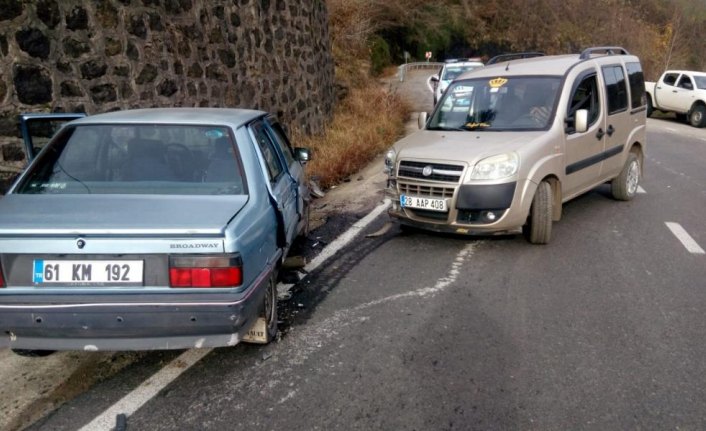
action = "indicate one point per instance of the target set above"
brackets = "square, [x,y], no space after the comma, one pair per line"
[601,329]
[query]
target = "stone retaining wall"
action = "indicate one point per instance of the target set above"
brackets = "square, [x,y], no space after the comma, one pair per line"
[102,55]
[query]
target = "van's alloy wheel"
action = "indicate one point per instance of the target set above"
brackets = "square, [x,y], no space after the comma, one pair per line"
[624,186]
[698,116]
[538,229]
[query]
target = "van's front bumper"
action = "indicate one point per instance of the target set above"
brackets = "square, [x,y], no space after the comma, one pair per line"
[104,322]
[473,209]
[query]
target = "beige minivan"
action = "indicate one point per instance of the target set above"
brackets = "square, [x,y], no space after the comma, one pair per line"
[508,144]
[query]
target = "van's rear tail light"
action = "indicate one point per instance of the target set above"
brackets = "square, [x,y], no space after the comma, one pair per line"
[205,271]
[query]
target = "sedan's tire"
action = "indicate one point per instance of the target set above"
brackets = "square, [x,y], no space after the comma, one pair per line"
[697,116]
[650,107]
[538,229]
[29,353]
[624,186]
[269,309]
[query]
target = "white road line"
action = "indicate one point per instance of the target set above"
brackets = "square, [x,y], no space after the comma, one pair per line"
[131,402]
[641,190]
[146,391]
[685,238]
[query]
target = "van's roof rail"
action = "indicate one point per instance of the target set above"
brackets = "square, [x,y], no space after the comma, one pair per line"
[513,56]
[605,50]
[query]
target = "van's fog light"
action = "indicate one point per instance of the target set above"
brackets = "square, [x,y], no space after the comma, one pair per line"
[490,216]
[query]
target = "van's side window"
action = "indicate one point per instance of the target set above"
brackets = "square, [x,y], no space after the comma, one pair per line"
[637,85]
[615,88]
[586,97]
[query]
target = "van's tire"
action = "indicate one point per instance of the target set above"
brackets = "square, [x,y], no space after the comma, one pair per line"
[650,107]
[29,353]
[538,229]
[624,186]
[697,116]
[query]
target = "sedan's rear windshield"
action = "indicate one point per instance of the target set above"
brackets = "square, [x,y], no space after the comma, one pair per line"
[138,159]
[500,103]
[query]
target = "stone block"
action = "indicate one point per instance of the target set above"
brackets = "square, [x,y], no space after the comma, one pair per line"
[11,9]
[75,48]
[33,84]
[147,74]
[103,93]
[77,19]
[93,69]
[13,153]
[33,42]
[71,89]
[113,47]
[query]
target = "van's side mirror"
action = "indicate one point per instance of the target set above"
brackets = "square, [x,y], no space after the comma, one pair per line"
[435,78]
[581,122]
[422,120]
[303,155]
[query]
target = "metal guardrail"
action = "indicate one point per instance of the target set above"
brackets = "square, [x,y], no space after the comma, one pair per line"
[402,69]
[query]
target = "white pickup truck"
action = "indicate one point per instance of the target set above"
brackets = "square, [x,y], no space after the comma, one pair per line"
[682,92]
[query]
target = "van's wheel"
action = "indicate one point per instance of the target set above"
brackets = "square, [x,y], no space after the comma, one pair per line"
[538,229]
[650,107]
[29,353]
[696,117]
[269,309]
[624,186]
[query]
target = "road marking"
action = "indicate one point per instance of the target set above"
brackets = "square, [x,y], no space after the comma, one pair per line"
[685,238]
[670,129]
[641,190]
[131,402]
[146,391]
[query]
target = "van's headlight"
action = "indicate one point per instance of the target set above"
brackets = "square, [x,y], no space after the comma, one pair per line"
[390,159]
[496,167]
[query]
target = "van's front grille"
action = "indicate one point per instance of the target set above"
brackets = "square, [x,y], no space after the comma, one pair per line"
[439,171]
[434,215]
[421,190]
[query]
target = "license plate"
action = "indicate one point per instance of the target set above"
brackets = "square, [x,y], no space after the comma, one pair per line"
[423,203]
[87,272]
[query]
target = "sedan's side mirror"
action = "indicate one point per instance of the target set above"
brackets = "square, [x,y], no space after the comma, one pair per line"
[422,120]
[581,122]
[303,155]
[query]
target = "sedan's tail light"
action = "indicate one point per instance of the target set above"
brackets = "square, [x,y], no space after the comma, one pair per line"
[205,271]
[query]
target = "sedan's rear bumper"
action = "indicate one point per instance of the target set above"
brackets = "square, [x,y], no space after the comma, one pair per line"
[131,326]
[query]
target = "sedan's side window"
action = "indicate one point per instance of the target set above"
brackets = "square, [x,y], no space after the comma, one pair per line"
[282,142]
[269,153]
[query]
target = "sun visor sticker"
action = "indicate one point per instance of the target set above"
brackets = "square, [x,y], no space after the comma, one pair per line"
[214,134]
[496,84]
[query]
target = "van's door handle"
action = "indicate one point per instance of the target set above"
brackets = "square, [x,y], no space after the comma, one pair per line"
[599,134]
[610,130]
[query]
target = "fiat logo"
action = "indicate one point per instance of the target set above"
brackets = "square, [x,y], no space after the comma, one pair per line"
[428,170]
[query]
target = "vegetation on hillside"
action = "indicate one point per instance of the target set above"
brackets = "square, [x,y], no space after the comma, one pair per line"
[664,33]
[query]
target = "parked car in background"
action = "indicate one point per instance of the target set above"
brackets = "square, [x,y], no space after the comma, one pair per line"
[451,69]
[682,92]
[509,143]
[150,229]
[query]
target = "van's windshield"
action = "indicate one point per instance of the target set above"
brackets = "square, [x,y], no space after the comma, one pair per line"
[511,103]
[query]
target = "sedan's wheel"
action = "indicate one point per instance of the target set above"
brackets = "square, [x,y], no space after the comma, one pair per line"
[538,229]
[624,186]
[269,309]
[696,118]
[28,353]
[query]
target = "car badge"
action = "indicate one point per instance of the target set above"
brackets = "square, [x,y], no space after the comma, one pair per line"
[428,170]
[80,243]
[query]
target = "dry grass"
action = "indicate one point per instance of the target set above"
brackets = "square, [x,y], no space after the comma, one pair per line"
[364,125]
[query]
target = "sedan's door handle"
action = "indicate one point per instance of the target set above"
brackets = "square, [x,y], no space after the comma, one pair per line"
[600,134]
[610,130]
